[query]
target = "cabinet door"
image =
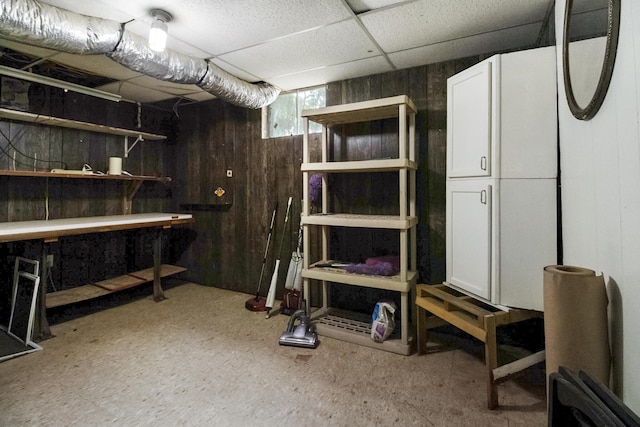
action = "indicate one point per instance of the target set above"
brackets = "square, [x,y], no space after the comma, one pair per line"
[469,122]
[469,236]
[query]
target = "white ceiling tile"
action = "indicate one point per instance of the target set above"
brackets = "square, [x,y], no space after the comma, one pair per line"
[360,6]
[116,10]
[241,74]
[334,44]
[324,75]
[431,21]
[466,46]
[235,24]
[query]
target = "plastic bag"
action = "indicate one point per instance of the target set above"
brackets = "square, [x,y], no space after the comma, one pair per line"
[382,321]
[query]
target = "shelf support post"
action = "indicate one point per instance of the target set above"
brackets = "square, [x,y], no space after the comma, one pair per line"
[130,190]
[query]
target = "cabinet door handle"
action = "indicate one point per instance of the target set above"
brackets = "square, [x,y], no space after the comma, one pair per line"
[483,163]
[483,197]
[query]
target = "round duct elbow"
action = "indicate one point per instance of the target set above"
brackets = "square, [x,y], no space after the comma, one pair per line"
[236,91]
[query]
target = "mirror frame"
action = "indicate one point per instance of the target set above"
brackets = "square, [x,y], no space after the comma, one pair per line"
[613,29]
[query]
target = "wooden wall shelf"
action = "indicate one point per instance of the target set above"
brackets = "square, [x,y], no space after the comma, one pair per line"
[42,119]
[43,174]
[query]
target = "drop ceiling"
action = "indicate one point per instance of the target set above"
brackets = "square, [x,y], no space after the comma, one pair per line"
[300,43]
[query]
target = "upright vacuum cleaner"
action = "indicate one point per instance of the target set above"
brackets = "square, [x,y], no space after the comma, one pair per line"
[301,335]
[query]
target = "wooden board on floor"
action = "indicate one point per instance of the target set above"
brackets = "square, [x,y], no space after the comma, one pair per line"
[104,287]
[69,296]
[165,270]
[121,282]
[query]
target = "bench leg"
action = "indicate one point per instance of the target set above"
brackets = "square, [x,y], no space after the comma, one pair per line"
[158,293]
[421,329]
[491,360]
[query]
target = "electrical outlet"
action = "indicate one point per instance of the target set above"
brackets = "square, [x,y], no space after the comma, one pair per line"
[229,173]
[49,261]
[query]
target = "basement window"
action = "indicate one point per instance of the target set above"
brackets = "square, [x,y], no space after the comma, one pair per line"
[282,117]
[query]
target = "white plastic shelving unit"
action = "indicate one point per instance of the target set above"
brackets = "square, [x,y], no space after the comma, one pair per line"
[342,324]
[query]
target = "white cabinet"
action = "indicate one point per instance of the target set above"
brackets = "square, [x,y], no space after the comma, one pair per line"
[343,325]
[501,177]
[469,115]
[469,235]
[502,118]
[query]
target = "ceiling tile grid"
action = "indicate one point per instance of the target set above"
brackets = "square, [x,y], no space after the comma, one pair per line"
[325,46]
[428,22]
[294,43]
[502,40]
[322,75]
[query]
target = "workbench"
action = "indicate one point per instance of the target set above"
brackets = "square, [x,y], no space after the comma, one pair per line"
[51,230]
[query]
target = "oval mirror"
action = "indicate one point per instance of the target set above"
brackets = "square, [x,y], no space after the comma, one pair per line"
[589,47]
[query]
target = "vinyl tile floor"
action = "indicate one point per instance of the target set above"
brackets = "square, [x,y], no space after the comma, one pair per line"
[199,358]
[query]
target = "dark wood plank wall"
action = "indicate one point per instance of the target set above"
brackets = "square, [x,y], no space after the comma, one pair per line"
[228,244]
[228,240]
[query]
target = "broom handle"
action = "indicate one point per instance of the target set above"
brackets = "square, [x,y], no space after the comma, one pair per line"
[271,295]
[284,229]
[273,220]
[266,249]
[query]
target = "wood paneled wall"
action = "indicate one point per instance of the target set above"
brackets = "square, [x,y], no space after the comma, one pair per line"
[228,240]
[230,235]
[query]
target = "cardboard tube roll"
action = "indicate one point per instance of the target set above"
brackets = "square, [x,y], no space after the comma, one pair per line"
[115,166]
[575,321]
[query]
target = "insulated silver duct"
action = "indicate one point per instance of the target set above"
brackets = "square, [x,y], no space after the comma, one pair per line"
[42,25]
[134,53]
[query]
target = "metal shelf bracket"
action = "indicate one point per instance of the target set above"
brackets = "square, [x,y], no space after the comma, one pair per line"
[127,148]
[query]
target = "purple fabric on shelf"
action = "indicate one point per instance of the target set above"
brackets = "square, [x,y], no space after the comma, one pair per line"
[393,260]
[377,266]
[315,187]
[378,269]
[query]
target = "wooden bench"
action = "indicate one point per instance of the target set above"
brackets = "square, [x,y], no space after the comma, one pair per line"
[438,304]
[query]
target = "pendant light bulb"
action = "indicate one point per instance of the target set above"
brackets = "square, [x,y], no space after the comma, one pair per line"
[158,31]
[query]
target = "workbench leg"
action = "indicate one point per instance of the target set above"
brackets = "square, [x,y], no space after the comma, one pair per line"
[158,293]
[42,330]
[404,318]
[421,329]
[491,360]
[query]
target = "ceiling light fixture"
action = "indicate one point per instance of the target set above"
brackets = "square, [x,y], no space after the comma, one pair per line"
[158,31]
[37,78]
